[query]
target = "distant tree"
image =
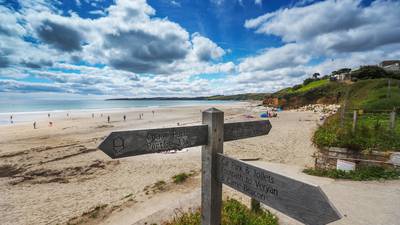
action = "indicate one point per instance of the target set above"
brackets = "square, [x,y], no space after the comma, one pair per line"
[369,72]
[344,70]
[316,75]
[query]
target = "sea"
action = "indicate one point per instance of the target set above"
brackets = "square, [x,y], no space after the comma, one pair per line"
[29,110]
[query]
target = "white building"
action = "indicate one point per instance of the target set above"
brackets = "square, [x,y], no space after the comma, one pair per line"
[390,65]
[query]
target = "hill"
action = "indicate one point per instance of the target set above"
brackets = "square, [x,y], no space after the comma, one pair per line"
[238,97]
[319,91]
[371,94]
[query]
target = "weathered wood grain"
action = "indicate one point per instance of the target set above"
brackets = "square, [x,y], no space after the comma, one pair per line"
[303,202]
[211,188]
[136,142]
[240,130]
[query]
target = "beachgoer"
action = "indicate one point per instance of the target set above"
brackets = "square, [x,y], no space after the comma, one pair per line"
[153,112]
[34,125]
[108,119]
[67,114]
[101,115]
[50,124]
[124,117]
[92,115]
[48,115]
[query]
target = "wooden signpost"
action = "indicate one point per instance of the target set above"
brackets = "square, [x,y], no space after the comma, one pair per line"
[301,201]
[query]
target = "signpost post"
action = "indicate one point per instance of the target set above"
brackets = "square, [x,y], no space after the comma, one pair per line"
[301,201]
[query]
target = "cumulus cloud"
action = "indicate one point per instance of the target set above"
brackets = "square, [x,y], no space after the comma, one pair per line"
[286,56]
[340,33]
[342,26]
[205,49]
[60,36]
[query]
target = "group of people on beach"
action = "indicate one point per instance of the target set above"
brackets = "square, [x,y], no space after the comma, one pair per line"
[141,115]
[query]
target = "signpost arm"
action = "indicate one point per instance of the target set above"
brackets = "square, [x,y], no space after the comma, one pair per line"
[211,187]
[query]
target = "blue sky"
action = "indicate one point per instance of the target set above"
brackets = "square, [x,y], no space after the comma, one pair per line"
[150,48]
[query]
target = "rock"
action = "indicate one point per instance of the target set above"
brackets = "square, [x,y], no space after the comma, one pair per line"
[395,158]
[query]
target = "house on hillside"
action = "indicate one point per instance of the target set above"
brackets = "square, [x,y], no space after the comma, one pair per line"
[342,76]
[390,65]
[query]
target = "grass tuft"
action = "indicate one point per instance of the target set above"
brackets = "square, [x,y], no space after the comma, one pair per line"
[233,213]
[180,178]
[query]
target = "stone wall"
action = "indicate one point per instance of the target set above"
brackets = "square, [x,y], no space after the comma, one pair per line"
[327,158]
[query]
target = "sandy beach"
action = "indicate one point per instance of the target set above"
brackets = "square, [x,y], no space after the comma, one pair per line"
[56,175]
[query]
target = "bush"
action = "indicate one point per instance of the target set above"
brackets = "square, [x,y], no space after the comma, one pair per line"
[362,173]
[369,72]
[233,213]
[372,132]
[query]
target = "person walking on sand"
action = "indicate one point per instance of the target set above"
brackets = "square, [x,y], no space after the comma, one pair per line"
[153,112]
[124,117]
[34,125]
[108,119]
[92,115]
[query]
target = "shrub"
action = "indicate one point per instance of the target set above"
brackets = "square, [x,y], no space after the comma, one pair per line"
[362,173]
[369,72]
[233,213]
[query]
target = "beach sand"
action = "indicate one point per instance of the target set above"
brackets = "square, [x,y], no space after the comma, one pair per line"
[56,175]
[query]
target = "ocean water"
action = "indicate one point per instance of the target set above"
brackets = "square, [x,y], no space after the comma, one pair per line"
[26,110]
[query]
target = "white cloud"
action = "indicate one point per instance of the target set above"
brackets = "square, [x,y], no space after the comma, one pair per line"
[289,55]
[341,33]
[205,49]
[343,26]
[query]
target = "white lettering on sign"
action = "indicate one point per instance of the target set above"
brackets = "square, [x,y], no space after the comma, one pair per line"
[168,140]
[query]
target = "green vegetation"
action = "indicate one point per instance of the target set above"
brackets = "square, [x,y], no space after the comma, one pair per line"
[372,130]
[233,213]
[362,173]
[180,178]
[373,95]
[312,85]
[311,92]
[373,72]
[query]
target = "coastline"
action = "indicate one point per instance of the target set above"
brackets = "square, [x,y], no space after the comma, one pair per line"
[31,116]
